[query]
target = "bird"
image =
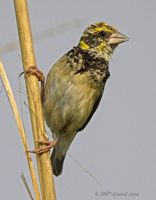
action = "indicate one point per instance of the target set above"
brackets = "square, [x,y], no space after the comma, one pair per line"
[75,85]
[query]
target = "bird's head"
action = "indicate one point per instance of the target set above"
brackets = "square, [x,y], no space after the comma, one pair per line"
[101,39]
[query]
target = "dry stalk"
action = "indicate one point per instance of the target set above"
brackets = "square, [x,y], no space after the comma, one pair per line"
[34,99]
[20,128]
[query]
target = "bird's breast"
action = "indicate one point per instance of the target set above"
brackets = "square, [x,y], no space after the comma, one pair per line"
[69,99]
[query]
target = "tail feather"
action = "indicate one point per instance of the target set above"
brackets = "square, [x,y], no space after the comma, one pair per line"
[59,153]
[57,162]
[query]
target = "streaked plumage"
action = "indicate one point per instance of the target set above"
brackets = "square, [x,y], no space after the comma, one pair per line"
[75,85]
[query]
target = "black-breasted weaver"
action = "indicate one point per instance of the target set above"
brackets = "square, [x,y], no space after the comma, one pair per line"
[74,87]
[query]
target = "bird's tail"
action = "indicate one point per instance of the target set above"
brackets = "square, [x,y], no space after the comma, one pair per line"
[59,153]
[57,162]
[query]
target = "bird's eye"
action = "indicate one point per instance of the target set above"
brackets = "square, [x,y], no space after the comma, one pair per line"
[102,33]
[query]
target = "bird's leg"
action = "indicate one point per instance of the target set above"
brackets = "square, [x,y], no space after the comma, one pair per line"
[33,70]
[49,145]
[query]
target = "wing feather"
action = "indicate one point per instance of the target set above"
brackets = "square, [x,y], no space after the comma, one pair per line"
[95,106]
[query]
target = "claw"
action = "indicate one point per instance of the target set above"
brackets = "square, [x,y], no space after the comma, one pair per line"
[33,70]
[49,145]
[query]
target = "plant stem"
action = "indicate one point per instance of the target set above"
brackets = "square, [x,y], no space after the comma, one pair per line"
[34,99]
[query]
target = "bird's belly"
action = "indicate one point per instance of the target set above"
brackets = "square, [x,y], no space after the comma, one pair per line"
[69,104]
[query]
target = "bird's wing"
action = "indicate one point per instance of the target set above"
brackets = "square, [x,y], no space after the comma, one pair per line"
[92,112]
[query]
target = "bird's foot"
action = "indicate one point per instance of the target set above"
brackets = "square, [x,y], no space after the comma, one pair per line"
[49,145]
[33,70]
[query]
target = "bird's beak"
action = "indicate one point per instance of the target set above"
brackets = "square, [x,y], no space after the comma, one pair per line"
[117,38]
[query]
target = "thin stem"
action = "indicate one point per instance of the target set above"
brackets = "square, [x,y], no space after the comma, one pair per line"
[20,128]
[34,99]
